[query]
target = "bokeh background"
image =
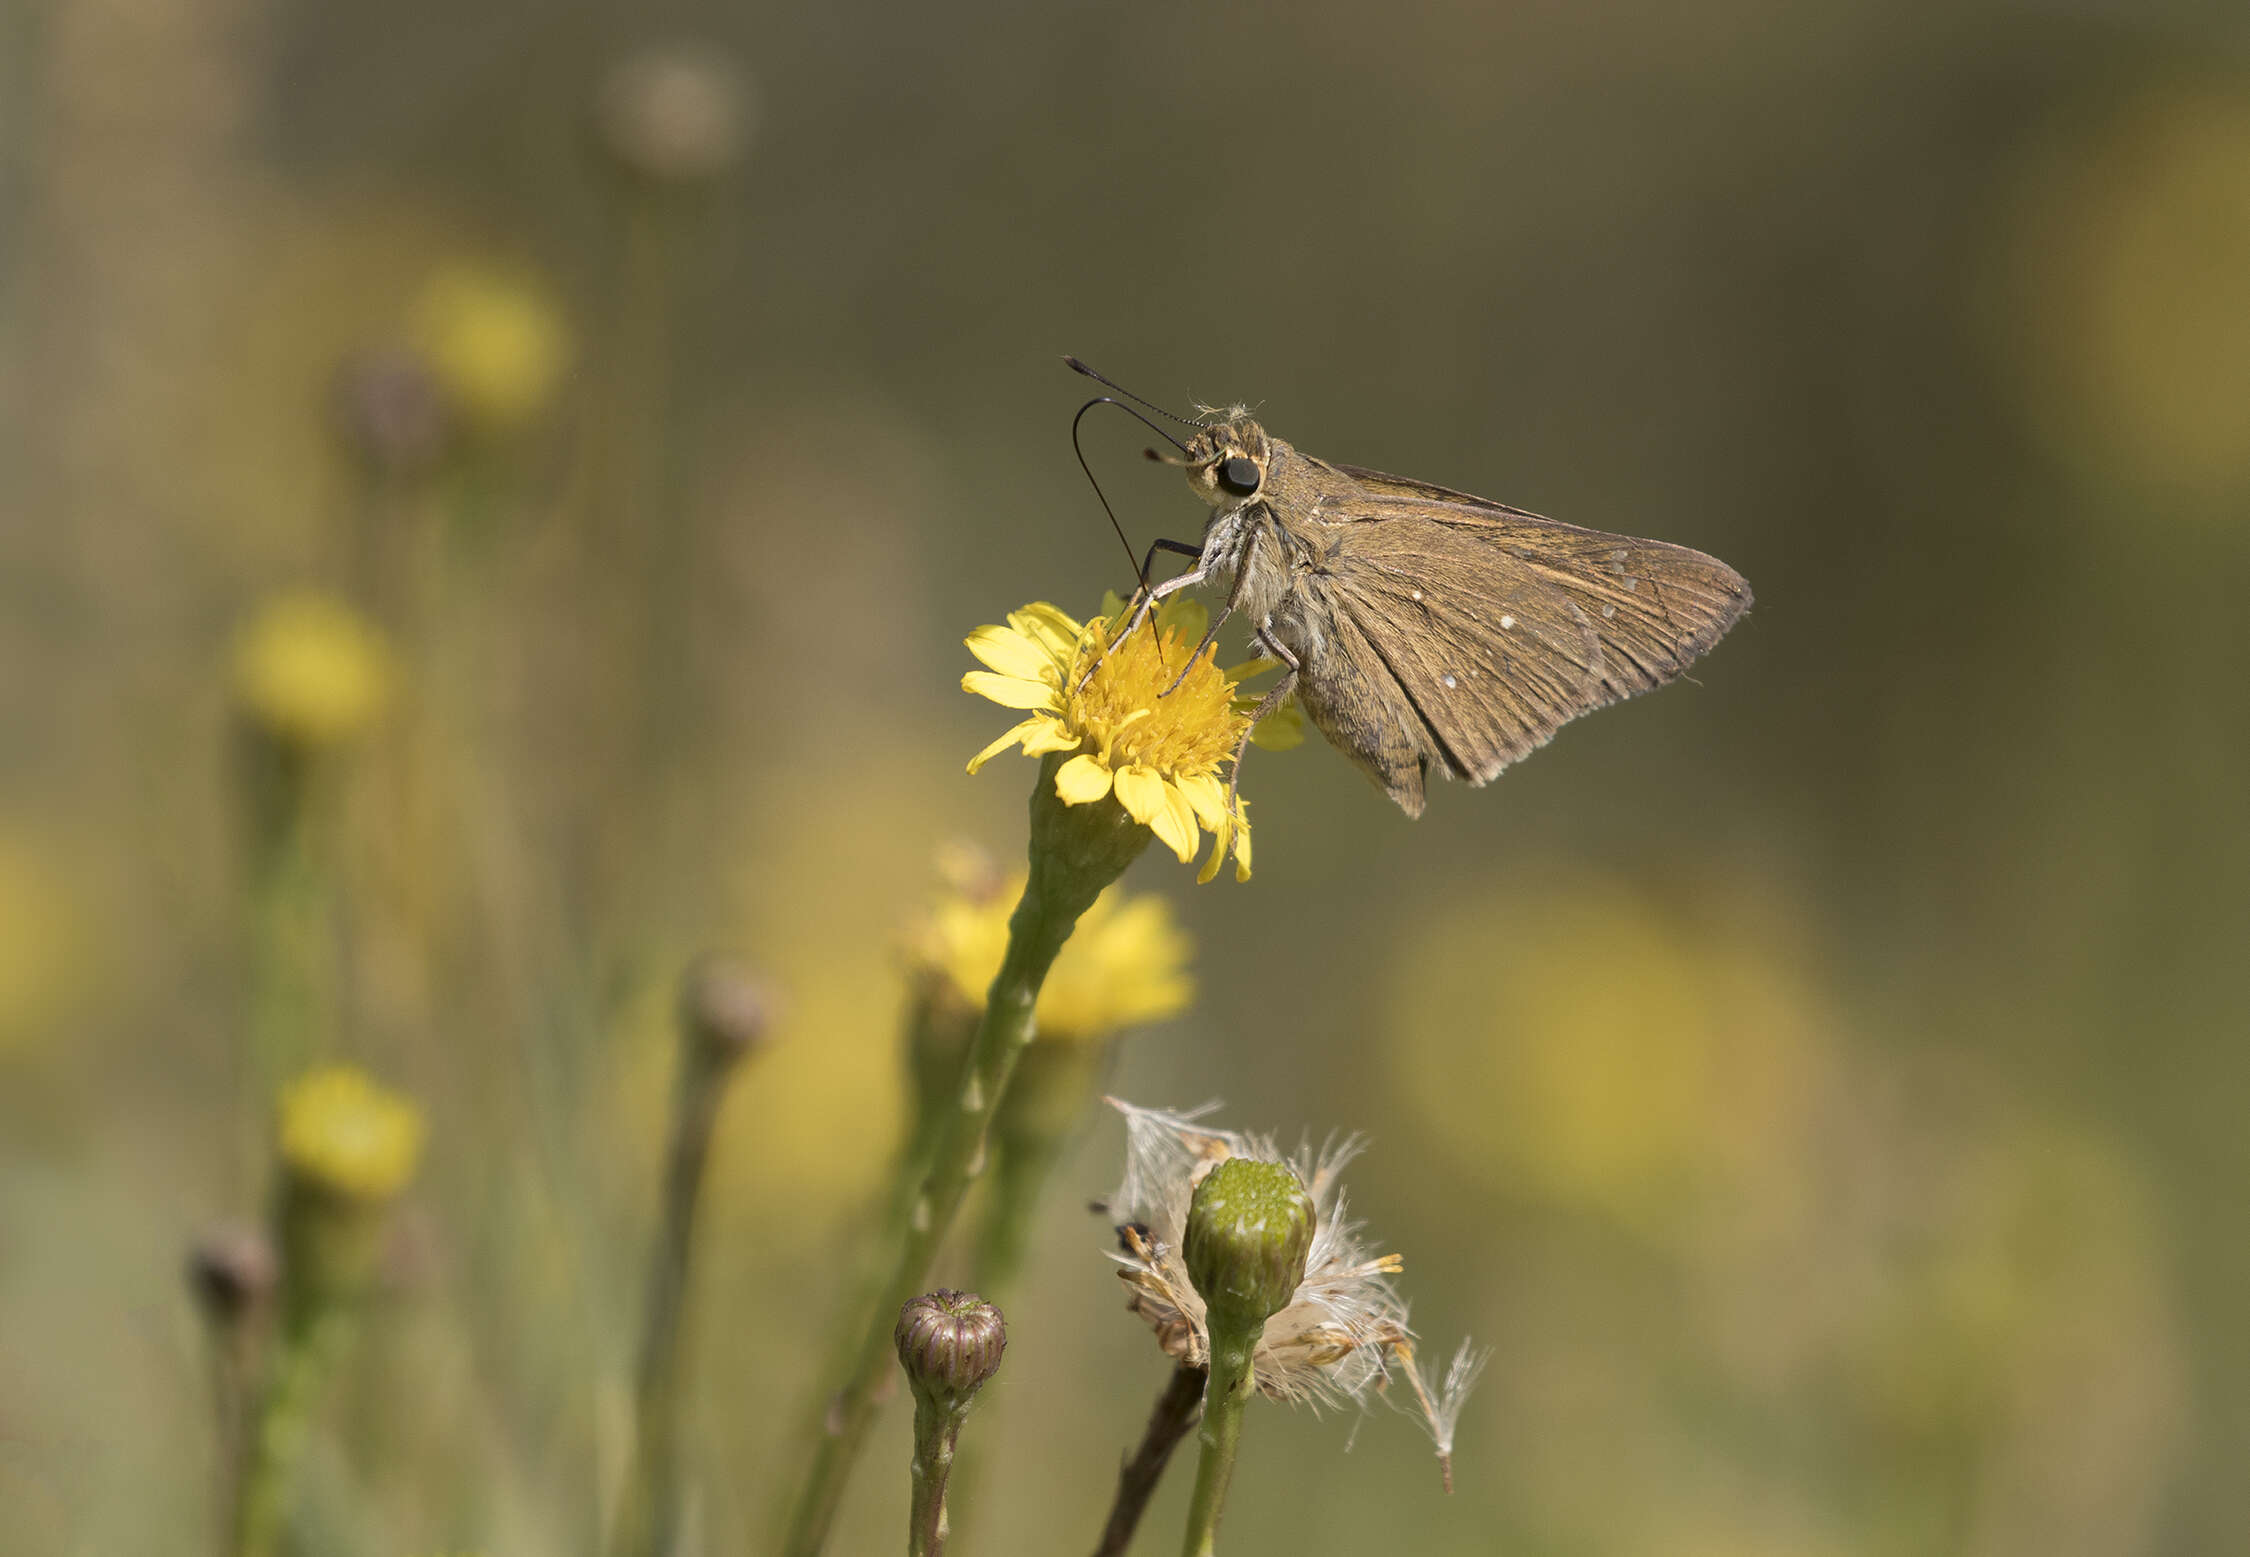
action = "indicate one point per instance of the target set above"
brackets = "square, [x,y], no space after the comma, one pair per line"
[1823,1083]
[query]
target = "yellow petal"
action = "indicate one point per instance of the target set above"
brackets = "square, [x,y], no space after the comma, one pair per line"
[1242,850]
[1113,604]
[1140,790]
[1011,653]
[1047,627]
[1208,797]
[1080,780]
[1009,691]
[1222,839]
[1047,735]
[1022,732]
[1175,824]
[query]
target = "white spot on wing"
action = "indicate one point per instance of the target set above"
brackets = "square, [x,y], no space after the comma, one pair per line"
[1448,680]
[1609,610]
[1507,621]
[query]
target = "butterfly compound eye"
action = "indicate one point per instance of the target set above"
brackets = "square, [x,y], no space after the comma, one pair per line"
[1238,475]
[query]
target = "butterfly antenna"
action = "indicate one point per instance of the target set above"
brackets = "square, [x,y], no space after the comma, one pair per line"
[1079,367]
[1079,450]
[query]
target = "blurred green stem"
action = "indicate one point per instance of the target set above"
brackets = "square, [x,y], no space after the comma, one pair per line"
[1233,1376]
[1176,1411]
[648,1518]
[937,1044]
[301,1362]
[1044,1105]
[1075,853]
[291,959]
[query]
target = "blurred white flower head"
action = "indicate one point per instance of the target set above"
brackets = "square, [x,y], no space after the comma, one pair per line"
[1342,1336]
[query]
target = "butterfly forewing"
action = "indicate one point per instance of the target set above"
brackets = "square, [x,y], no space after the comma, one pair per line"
[1485,628]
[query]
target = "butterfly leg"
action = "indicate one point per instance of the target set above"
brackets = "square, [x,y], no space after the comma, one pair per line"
[1177,548]
[1234,599]
[1266,705]
[1148,600]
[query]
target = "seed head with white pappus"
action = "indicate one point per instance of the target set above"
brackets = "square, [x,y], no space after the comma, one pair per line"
[1339,1335]
[1249,1227]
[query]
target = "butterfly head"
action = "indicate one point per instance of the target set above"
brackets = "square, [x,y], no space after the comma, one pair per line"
[1227,462]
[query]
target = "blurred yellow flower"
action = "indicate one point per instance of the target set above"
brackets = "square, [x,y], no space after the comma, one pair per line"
[1126,964]
[1570,1037]
[2122,291]
[43,952]
[310,670]
[1157,746]
[498,343]
[342,1132]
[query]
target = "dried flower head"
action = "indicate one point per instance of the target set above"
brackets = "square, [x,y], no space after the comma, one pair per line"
[676,113]
[1250,1225]
[310,671]
[1125,965]
[1344,1331]
[1144,722]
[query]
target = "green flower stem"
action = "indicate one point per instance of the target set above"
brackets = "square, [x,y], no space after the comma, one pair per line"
[291,956]
[1076,851]
[1233,1377]
[301,1364]
[1176,1411]
[648,1517]
[937,1428]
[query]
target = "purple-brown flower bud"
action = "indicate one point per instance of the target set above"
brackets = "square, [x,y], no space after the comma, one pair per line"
[950,1343]
[233,1272]
[726,1010]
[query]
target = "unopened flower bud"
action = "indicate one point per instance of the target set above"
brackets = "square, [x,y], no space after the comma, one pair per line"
[232,1271]
[950,1343]
[392,411]
[1249,1230]
[725,1010]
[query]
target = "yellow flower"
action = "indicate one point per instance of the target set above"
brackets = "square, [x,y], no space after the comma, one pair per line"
[1159,751]
[310,670]
[1125,965]
[343,1133]
[497,342]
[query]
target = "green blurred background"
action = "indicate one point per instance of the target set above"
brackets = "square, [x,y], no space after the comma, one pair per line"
[1823,1083]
